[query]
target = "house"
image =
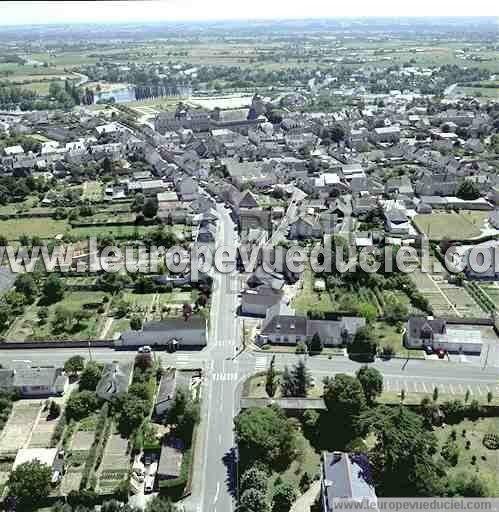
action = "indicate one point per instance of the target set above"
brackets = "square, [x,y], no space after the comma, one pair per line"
[346,477]
[114,381]
[188,189]
[335,332]
[256,302]
[437,333]
[284,330]
[170,461]
[171,333]
[396,222]
[389,134]
[289,330]
[51,457]
[169,384]
[34,382]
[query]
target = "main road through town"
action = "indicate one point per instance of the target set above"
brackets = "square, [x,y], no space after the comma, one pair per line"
[225,369]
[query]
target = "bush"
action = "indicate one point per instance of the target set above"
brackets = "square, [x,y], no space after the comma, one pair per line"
[491,441]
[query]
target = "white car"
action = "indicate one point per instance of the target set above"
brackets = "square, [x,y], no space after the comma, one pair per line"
[145,350]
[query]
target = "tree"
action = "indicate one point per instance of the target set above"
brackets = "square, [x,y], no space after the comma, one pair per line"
[402,457]
[254,478]
[53,290]
[133,412]
[371,381]
[107,166]
[265,435]
[468,486]
[150,208]
[287,384]
[468,190]
[43,314]
[271,379]
[345,401]
[90,376]
[63,318]
[4,241]
[253,500]
[364,345]
[367,311]
[136,323]
[302,379]
[184,413]
[284,497]
[316,344]
[26,285]
[74,365]
[435,394]
[160,504]
[29,483]
[5,315]
[81,404]
[54,409]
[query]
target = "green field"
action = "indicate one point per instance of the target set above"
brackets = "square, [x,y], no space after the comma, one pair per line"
[455,226]
[487,460]
[308,299]
[28,326]
[45,228]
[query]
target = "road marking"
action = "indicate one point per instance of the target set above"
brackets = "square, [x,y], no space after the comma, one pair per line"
[215,499]
[261,363]
[224,377]
[451,389]
[461,389]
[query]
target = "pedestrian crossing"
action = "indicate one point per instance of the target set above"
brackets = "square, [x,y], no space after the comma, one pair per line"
[417,386]
[224,376]
[261,364]
[184,361]
[223,343]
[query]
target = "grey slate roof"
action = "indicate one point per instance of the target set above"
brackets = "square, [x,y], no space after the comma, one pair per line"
[346,476]
[286,324]
[114,381]
[170,461]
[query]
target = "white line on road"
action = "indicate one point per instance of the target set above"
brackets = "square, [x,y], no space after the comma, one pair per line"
[215,499]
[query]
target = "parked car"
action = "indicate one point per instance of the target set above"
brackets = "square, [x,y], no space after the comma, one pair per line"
[441,353]
[145,349]
[428,350]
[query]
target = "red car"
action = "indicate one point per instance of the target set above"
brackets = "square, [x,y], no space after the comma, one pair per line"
[441,353]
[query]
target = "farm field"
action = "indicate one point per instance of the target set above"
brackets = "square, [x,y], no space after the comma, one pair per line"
[455,226]
[45,228]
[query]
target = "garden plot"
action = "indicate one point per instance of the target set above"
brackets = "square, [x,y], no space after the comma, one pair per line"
[17,432]
[43,431]
[80,446]
[114,466]
[430,289]
[462,301]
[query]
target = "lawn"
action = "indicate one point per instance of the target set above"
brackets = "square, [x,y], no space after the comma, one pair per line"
[487,460]
[45,228]
[92,191]
[308,299]
[115,231]
[456,226]
[28,327]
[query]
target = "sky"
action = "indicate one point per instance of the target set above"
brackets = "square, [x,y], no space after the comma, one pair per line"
[46,12]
